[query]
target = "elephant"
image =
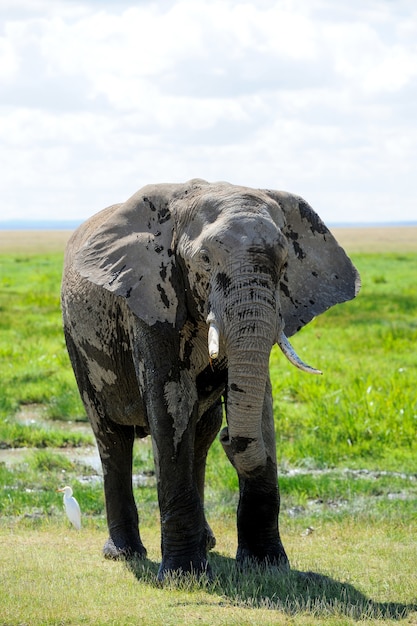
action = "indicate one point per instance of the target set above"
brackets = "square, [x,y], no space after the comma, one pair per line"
[172,302]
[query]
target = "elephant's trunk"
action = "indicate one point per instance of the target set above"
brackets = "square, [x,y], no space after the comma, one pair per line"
[248,333]
[243,439]
[249,326]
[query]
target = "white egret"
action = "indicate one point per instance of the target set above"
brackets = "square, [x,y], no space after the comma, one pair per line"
[72,508]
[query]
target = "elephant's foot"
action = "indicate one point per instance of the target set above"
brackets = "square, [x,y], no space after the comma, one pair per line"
[180,566]
[123,549]
[210,538]
[274,556]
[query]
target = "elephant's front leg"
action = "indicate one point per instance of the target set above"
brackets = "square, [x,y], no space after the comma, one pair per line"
[172,412]
[257,520]
[259,502]
[183,526]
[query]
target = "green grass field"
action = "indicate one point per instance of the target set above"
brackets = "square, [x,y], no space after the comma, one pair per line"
[346,444]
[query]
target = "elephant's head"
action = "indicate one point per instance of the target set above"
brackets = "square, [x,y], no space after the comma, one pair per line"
[251,266]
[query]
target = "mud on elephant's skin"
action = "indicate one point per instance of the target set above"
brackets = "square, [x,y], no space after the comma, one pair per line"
[172,302]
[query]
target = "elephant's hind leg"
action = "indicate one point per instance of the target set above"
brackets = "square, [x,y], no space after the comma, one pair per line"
[206,432]
[115,444]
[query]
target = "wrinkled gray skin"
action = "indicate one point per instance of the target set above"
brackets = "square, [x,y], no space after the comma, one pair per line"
[142,280]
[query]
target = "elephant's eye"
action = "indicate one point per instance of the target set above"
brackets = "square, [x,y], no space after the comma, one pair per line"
[205,259]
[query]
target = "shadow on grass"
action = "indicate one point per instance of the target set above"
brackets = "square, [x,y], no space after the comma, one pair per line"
[290,592]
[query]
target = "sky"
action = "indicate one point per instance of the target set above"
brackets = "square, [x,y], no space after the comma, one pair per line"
[315,97]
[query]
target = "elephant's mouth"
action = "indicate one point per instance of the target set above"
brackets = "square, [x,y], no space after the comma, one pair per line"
[282,341]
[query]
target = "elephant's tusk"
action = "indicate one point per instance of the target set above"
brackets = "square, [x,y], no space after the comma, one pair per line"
[213,341]
[293,357]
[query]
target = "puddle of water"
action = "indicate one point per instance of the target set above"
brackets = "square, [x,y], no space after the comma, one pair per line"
[352,473]
[35,415]
[87,456]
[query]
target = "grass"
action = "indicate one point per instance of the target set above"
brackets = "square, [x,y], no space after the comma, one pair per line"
[348,472]
[63,581]
[364,408]
[34,366]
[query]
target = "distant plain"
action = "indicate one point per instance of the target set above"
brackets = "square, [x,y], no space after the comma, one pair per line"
[354,239]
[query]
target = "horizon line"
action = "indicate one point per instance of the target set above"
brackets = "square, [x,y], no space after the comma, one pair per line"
[45,224]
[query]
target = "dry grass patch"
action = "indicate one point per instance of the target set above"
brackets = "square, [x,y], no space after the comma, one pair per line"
[33,241]
[377,238]
[54,575]
[354,239]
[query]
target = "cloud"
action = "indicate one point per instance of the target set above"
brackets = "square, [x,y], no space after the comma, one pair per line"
[307,95]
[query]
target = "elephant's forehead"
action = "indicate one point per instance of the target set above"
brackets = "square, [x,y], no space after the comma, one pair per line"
[240,231]
[224,204]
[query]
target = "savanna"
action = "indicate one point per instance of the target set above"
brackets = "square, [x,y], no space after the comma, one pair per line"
[346,445]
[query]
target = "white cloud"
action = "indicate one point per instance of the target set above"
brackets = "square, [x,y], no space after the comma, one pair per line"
[307,95]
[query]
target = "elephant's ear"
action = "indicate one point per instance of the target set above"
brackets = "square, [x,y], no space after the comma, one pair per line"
[319,274]
[129,252]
